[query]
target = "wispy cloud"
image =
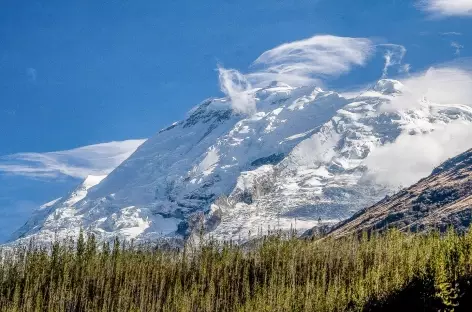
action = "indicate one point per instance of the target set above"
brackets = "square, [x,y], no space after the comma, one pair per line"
[457,46]
[99,159]
[393,55]
[451,33]
[298,63]
[404,69]
[236,87]
[447,7]
[32,74]
[307,61]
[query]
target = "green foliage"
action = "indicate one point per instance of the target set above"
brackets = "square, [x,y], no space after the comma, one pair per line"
[275,274]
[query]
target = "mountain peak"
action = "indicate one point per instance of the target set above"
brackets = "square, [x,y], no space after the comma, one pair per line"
[92,180]
[279,84]
[388,86]
[297,163]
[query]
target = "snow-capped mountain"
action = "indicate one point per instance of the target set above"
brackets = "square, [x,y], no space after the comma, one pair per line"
[298,161]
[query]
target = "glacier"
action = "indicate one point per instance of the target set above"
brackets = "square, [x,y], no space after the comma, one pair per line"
[295,163]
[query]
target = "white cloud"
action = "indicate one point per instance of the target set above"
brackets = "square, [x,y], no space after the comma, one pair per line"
[457,46]
[307,61]
[413,157]
[447,7]
[441,85]
[393,55]
[298,63]
[99,159]
[405,69]
[237,88]
[451,33]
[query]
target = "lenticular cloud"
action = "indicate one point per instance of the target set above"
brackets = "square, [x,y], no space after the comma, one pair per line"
[98,159]
[298,63]
[307,61]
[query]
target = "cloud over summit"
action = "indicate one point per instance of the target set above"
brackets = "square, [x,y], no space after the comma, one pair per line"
[298,63]
[306,61]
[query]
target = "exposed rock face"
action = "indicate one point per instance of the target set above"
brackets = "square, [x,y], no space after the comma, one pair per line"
[441,200]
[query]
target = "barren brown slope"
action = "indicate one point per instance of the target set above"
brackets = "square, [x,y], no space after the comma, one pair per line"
[438,201]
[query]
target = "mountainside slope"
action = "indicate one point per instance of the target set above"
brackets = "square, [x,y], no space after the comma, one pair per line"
[296,162]
[441,200]
[49,213]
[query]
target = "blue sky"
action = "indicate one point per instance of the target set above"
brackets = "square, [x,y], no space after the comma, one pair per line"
[82,73]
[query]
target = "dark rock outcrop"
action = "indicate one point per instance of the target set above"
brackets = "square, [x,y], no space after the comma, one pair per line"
[439,201]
